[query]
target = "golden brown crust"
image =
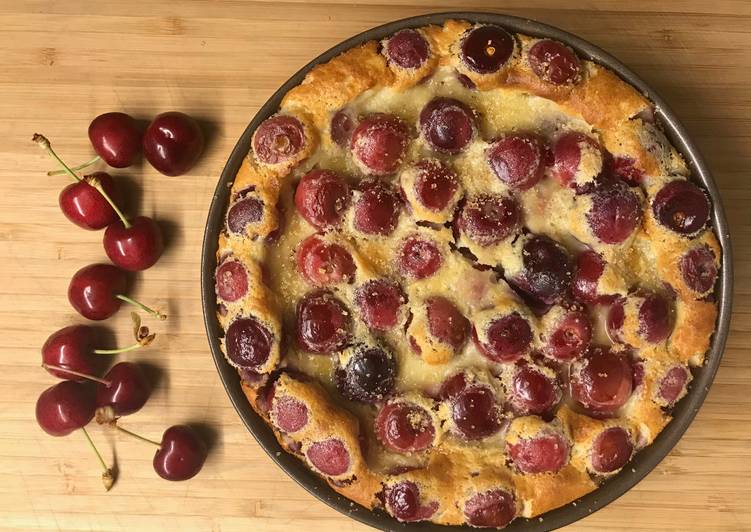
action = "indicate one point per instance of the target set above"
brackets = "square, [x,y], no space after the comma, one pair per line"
[597,103]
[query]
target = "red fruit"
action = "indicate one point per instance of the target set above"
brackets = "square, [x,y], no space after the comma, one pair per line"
[71,348]
[673,384]
[64,407]
[290,413]
[93,290]
[546,269]
[323,322]
[181,454]
[435,184]
[403,501]
[682,207]
[507,338]
[485,49]
[278,139]
[368,376]
[554,62]
[602,381]
[447,124]
[407,49]
[134,248]
[379,302]
[446,322]
[126,392]
[655,324]
[248,343]
[379,143]
[377,208]
[116,138]
[404,427]
[517,160]
[491,509]
[173,142]
[419,258]
[698,269]
[231,280]
[321,198]
[615,212]
[545,453]
[567,155]
[489,219]
[589,268]
[611,450]
[475,412]
[533,392]
[330,457]
[570,337]
[324,263]
[245,211]
[83,205]
[342,126]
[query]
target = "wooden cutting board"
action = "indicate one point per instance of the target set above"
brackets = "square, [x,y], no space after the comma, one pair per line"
[62,63]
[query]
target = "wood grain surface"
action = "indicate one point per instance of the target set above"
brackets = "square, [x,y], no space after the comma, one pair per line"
[64,62]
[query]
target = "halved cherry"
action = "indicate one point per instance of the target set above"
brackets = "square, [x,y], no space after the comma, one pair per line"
[324,263]
[231,280]
[290,413]
[672,386]
[278,139]
[330,457]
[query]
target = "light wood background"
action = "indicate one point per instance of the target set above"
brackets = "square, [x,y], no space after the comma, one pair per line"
[64,62]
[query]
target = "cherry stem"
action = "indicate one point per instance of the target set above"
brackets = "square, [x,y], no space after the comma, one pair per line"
[133,347]
[96,451]
[76,168]
[108,476]
[126,431]
[143,307]
[76,373]
[44,143]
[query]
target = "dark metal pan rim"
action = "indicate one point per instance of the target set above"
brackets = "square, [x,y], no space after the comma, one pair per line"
[644,461]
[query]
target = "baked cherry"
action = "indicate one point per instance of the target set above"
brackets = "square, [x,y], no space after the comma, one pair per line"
[278,139]
[404,427]
[330,457]
[403,501]
[533,392]
[554,62]
[626,169]
[376,210]
[517,160]
[682,207]
[122,391]
[575,154]
[602,381]
[506,338]
[611,450]
[546,269]
[672,386]
[324,263]
[323,322]
[699,269]
[245,211]
[615,211]
[173,142]
[543,453]
[83,205]
[379,143]
[379,302]
[485,49]
[181,454]
[453,385]
[290,414]
[407,49]
[368,376]
[446,322]
[418,258]
[489,219]
[69,352]
[116,138]
[570,336]
[97,291]
[342,127]
[494,508]
[248,343]
[435,184]
[653,317]
[447,125]
[231,280]
[475,412]
[322,197]
[65,407]
[614,320]
[589,268]
[134,245]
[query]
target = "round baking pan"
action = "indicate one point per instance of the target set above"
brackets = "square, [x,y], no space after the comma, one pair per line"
[644,461]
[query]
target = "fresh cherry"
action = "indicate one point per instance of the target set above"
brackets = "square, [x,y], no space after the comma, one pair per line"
[65,407]
[172,143]
[83,205]
[116,138]
[97,291]
[124,390]
[135,245]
